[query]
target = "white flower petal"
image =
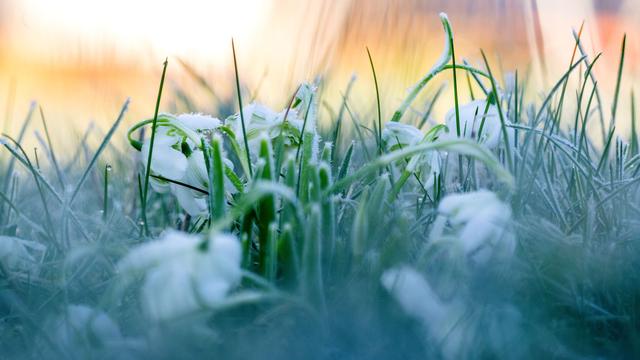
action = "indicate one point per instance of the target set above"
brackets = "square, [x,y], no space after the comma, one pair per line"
[395,133]
[193,204]
[472,116]
[172,243]
[165,161]
[481,220]
[22,256]
[195,121]
[168,290]
[184,274]
[414,294]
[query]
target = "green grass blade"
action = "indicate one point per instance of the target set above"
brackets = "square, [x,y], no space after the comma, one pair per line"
[242,120]
[375,82]
[51,151]
[437,68]
[101,148]
[616,94]
[147,173]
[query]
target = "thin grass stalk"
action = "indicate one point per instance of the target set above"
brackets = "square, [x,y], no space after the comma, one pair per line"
[147,173]
[242,120]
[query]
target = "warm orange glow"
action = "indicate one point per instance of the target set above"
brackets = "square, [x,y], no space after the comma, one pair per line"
[193,28]
[81,58]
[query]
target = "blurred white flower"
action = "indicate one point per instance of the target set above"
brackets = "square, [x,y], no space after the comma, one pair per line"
[480,221]
[479,120]
[21,257]
[184,273]
[417,298]
[397,135]
[81,325]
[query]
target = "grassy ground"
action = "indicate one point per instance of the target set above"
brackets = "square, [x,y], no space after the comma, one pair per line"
[511,232]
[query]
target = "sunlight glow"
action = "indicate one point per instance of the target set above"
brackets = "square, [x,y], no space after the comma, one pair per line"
[192,28]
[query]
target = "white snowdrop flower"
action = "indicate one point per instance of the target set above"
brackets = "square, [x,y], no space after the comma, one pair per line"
[481,222]
[199,122]
[193,201]
[194,204]
[22,257]
[261,120]
[82,324]
[257,118]
[184,273]
[417,298]
[480,121]
[414,294]
[396,135]
[167,159]
[431,166]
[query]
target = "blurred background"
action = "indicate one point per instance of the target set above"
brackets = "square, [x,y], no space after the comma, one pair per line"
[80,59]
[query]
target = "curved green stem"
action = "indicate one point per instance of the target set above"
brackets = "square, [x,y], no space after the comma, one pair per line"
[444,59]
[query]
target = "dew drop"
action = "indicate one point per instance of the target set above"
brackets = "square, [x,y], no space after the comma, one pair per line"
[109,168]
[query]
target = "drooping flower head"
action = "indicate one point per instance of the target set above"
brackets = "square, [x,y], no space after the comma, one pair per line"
[479,120]
[397,136]
[184,273]
[178,159]
[441,320]
[480,221]
[20,257]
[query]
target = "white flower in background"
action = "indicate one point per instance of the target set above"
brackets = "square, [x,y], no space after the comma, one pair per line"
[431,166]
[81,325]
[257,118]
[441,321]
[397,135]
[261,120]
[480,121]
[184,273]
[22,257]
[480,221]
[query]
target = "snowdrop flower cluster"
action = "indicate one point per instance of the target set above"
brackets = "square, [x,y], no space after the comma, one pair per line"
[441,320]
[177,156]
[184,273]
[261,121]
[20,257]
[480,224]
[396,136]
[479,120]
